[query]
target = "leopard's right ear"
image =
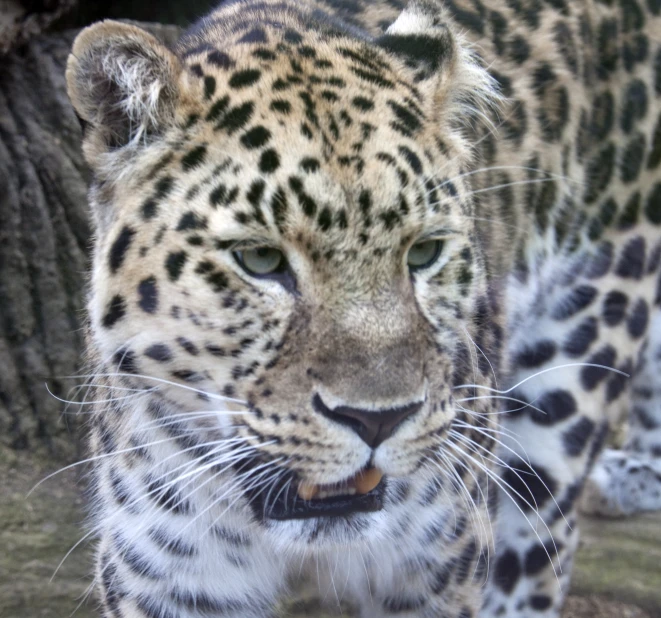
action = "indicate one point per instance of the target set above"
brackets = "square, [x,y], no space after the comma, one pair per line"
[123,83]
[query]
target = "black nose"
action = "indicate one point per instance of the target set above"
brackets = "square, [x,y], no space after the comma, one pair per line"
[373,426]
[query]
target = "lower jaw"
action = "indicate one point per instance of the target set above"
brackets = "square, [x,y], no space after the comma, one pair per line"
[337,506]
[282,503]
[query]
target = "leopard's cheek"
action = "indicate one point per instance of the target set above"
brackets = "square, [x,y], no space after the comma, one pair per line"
[195,324]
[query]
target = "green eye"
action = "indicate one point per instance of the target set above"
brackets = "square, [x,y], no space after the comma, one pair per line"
[260,260]
[424,254]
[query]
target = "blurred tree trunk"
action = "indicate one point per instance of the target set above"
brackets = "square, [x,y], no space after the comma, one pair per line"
[44,247]
[20,20]
[44,236]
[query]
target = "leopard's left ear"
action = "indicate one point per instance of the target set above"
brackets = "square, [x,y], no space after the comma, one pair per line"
[441,61]
[123,83]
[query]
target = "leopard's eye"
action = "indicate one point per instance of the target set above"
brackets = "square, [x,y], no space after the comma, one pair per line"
[260,260]
[424,254]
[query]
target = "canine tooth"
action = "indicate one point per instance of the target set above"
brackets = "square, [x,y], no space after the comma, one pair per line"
[368,480]
[307,491]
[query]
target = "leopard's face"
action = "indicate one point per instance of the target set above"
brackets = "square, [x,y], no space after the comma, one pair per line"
[295,264]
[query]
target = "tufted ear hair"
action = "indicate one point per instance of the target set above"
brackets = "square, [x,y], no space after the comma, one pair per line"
[442,61]
[122,83]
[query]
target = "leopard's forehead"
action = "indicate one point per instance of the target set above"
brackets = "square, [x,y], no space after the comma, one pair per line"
[287,137]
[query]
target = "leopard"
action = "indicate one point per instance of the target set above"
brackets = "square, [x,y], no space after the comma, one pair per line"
[371,282]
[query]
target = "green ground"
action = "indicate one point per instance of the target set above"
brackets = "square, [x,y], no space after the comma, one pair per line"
[618,571]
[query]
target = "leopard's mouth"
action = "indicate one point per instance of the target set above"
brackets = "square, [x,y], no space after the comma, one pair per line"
[289,498]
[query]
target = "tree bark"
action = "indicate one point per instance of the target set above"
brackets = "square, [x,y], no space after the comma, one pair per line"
[44,247]
[20,20]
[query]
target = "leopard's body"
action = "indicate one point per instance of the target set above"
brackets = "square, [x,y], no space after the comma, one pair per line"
[521,138]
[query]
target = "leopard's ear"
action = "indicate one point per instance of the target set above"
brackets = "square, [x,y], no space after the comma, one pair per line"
[421,39]
[443,64]
[123,84]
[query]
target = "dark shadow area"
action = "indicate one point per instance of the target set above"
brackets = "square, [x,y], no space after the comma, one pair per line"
[166,12]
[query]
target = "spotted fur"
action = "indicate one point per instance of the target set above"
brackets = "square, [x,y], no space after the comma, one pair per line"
[525,137]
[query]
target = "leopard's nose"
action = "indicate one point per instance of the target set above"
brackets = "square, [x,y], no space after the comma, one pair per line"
[373,426]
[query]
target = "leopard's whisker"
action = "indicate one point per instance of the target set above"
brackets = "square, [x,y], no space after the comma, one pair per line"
[501,431]
[476,517]
[542,372]
[237,481]
[281,473]
[472,508]
[99,457]
[159,380]
[97,401]
[524,404]
[234,456]
[527,461]
[493,371]
[490,534]
[500,484]
[254,484]
[515,471]
[179,419]
[497,168]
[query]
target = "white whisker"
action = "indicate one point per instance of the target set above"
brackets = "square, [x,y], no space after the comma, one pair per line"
[96,401]
[500,484]
[524,404]
[98,457]
[159,380]
[495,379]
[539,373]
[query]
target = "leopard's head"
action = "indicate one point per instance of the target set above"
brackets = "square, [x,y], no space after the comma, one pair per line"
[286,254]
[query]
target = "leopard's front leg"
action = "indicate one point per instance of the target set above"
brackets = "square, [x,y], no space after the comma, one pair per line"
[571,355]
